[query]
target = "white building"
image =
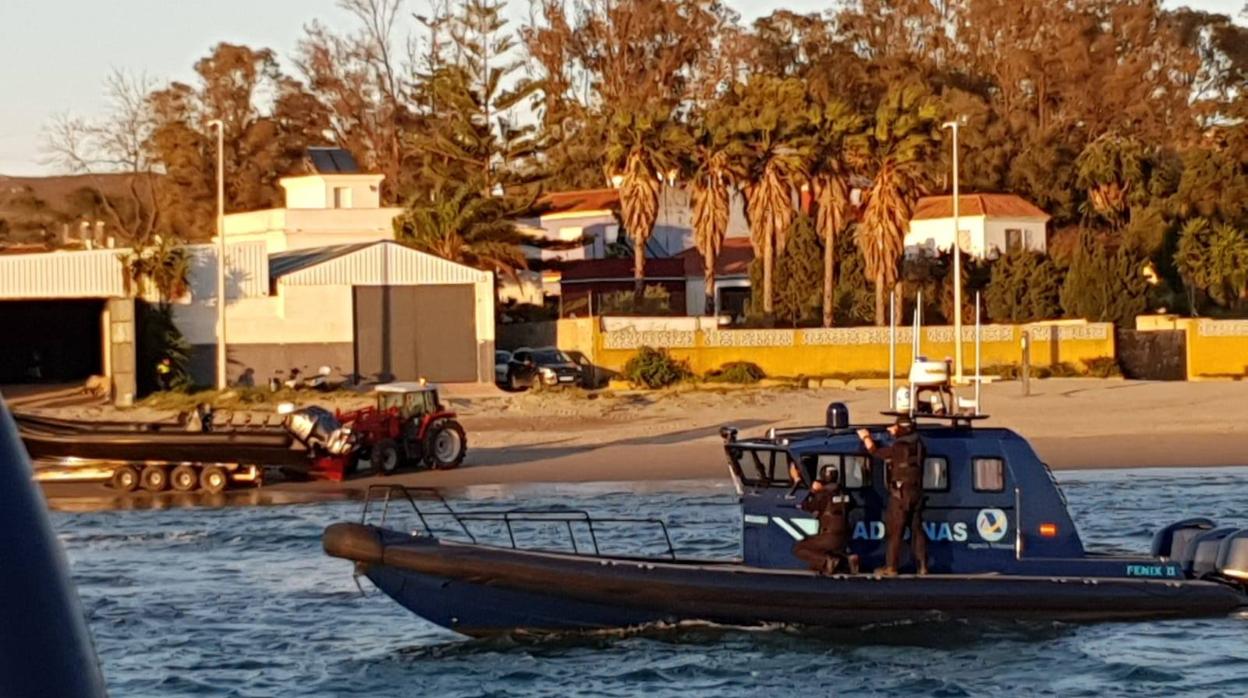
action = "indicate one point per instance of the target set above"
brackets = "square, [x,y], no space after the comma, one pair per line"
[321,282]
[989,225]
[334,204]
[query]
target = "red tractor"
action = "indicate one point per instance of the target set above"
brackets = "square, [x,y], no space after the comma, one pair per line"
[408,426]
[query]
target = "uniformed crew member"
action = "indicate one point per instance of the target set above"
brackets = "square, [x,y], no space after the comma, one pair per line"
[828,550]
[904,474]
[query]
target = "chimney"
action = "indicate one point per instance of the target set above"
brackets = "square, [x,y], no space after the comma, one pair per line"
[99,232]
[84,233]
[65,238]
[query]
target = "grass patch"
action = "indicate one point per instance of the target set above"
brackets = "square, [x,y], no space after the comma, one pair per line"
[739,372]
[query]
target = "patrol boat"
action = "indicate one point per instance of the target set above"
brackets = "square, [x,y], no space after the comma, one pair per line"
[1001,542]
[1002,545]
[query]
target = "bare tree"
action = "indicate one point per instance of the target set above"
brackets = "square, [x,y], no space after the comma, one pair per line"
[116,145]
[357,78]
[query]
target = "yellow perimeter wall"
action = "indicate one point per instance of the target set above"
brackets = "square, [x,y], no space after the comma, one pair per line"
[828,352]
[1215,348]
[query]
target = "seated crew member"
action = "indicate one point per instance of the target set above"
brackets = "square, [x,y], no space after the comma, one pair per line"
[904,475]
[827,550]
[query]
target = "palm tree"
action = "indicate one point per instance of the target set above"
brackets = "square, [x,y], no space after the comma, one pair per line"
[461,225]
[716,172]
[836,125]
[644,146]
[162,267]
[896,150]
[1112,169]
[772,124]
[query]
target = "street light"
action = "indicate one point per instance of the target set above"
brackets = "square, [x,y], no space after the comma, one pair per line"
[957,260]
[220,126]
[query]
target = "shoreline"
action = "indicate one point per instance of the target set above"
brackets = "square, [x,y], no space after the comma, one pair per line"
[649,464]
[516,439]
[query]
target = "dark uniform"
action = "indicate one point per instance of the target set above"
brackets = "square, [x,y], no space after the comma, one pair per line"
[825,551]
[904,460]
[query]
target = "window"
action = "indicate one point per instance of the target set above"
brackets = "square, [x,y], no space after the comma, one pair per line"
[935,474]
[1013,240]
[989,474]
[342,197]
[856,472]
[825,461]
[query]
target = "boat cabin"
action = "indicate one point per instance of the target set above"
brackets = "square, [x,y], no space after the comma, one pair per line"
[991,505]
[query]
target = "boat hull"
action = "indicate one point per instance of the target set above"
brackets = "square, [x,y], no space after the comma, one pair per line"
[483,590]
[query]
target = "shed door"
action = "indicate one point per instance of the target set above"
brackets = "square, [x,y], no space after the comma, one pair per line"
[412,332]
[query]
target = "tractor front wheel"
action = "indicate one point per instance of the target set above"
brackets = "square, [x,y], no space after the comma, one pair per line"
[385,457]
[445,445]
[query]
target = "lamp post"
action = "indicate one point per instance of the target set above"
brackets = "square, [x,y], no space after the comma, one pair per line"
[221,362]
[957,261]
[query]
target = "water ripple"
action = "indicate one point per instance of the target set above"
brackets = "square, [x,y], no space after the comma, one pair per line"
[242,602]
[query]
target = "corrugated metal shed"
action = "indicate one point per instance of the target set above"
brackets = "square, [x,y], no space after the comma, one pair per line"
[374,264]
[63,274]
[291,261]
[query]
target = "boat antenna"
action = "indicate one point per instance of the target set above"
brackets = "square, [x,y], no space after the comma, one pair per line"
[915,346]
[892,349]
[979,380]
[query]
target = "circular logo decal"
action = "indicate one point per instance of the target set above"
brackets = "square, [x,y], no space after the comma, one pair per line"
[992,524]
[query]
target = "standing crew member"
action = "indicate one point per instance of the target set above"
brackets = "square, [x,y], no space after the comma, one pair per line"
[825,551]
[904,474]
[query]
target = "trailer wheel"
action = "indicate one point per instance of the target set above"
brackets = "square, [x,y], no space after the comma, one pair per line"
[385,457]
[184,478]
[126,478]
[154,478]
[445,445]
[213,479]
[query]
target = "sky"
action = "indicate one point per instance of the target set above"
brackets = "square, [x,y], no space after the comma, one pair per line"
[55,54]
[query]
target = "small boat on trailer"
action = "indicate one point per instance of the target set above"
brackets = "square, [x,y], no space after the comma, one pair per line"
[1002,545]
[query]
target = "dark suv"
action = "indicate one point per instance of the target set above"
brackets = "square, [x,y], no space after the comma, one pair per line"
[547,366]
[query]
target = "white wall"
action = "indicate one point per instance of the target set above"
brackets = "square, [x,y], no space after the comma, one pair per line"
[1034,235]
[981,236]
[317,191]
[293,229]
[297,315]
[937,234]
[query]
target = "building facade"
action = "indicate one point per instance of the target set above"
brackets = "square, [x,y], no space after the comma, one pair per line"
[989,225]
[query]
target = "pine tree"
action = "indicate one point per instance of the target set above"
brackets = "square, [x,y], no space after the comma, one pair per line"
[1025,287]
[1104,284]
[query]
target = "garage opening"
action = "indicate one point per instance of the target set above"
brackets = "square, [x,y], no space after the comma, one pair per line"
[412,332]
[54,341]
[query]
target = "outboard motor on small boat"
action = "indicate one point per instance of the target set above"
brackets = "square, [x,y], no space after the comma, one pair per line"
[1233,556]
[311,425]
[837,416]
[1171,541]
[1203,552]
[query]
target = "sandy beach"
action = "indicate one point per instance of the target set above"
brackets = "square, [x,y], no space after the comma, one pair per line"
[576,437]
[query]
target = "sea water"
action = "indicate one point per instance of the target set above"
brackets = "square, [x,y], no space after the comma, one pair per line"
[241,601]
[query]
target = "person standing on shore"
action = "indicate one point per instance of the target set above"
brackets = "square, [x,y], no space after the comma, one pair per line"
[904,476]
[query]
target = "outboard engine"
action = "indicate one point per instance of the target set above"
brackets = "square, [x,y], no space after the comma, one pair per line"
[1203,552]
[311,425]
[837,416]
[1233,556]
[1171,541]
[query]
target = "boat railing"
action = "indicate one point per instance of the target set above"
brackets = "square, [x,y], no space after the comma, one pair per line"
[513,521]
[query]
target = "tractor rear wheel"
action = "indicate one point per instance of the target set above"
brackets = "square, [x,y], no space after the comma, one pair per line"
[445,445]
[385,457]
